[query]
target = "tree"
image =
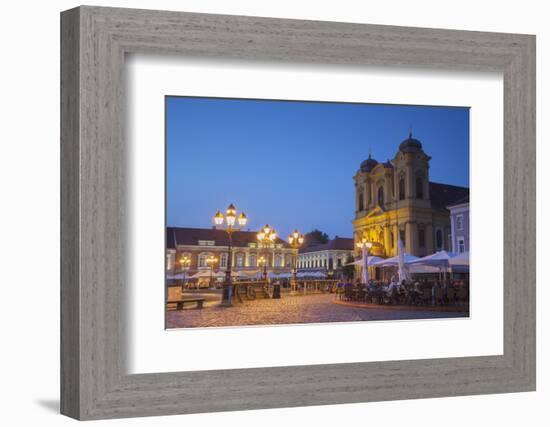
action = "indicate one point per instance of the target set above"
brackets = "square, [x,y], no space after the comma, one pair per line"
[315,237]
[348,269]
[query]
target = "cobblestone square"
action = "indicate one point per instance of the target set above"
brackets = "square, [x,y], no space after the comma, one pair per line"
[319,308]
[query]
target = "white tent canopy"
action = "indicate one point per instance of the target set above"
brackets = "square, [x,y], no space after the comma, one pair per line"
[422,269]
[462,260]
[394,261]
[311,274]
[372,260]
[207,273]
[444,260]
[438,259]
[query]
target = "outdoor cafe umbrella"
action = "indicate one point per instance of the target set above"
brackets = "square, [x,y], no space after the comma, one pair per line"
[439,259]
[394,261]
[207,273]
[462,260]
[402,270]
[372,260]
[460,263]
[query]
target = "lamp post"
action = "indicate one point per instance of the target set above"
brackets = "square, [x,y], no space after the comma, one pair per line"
[230,218]
[365,245]
[262,263]
[211,260]
[267,237]
[185,262]
[295,240]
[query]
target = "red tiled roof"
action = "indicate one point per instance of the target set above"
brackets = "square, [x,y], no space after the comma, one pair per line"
[191,236]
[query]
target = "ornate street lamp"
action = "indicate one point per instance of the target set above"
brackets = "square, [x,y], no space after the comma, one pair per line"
[229,227]
[267,237]
[185,262]
[365,245]
[295,240]
[211,260]
[262,262]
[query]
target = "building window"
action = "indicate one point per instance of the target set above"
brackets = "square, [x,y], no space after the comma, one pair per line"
[252,260]
[450,241]
[402,236]
[392,237]
[419,188]
[460,222]
[240,260]
[278,260]
[402,188]
[338,262]
[438,239]
[288,262]
[361,201]
[461,245]
[223,260]
[421,238]
[202,260]
[381,196]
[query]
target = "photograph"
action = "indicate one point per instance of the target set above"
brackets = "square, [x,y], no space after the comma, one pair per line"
[299,212]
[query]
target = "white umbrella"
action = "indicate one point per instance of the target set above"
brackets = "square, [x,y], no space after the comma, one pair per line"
[394,261]
[207,273]
[462,260]
[438,259]
[402,271]
[237,274]
[422,269]
[365,266]
[372,260]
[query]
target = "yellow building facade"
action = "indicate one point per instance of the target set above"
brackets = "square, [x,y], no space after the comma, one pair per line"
[396,198]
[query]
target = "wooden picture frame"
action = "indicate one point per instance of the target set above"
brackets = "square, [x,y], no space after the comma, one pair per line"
[94,382]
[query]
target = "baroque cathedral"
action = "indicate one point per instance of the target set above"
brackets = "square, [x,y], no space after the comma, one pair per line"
[396,199]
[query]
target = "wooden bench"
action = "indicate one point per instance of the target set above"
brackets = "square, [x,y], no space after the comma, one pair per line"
[180,302]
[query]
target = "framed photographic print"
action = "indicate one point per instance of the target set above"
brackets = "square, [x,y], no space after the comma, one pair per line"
[287,213]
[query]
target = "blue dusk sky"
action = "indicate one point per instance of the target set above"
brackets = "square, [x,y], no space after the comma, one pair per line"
[291,164]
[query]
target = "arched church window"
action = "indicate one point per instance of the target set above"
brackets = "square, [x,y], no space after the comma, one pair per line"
[381,196]
[438,239]
[402,188]
[419,188]
[361,201]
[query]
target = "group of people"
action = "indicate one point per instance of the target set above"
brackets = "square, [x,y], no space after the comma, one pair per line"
[404,292]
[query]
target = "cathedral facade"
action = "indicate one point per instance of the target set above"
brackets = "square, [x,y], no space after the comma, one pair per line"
[396,199]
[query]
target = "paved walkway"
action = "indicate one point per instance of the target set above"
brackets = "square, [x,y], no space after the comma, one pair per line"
[291,310]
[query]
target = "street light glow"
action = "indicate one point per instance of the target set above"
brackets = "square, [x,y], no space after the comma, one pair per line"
[218,218]
[242,219]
